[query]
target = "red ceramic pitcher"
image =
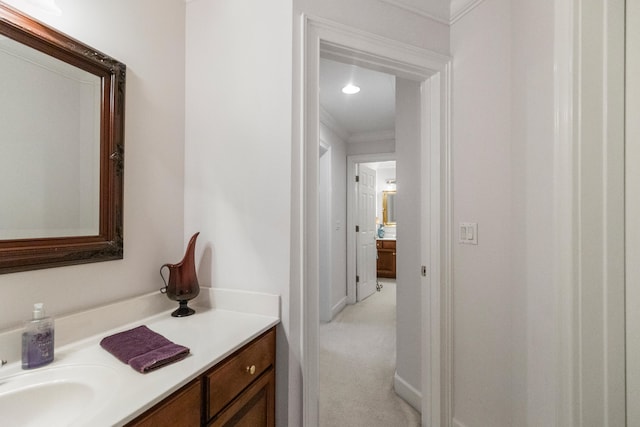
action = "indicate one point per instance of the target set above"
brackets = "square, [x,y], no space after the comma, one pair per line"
[183,282]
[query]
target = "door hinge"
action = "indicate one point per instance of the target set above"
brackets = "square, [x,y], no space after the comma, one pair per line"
[423,271]
[357,228]
[357,178]
[357,279]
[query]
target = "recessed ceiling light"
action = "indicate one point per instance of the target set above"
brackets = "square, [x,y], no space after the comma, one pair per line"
[350,89]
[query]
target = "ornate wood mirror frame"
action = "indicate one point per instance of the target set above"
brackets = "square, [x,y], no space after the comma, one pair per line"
[35,253]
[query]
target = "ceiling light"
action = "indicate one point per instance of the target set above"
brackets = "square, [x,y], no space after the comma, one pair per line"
[350,89]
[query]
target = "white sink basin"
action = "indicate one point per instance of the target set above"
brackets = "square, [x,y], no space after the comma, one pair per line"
[56,395]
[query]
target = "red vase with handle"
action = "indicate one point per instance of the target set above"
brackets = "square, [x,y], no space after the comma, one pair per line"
[182,285]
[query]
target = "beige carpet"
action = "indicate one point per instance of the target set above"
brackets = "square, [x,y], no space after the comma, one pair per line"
[357,364]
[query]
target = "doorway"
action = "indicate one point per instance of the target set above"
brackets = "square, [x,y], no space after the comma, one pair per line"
[386,161]
[431,70]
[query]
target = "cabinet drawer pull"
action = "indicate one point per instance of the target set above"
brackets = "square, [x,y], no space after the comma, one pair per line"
[251,369]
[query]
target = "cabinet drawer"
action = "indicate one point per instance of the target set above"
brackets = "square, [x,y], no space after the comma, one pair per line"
[388,244]
[236,373]
[255,407]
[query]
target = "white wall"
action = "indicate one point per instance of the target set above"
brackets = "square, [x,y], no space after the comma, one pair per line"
[371,147]
[505,307]
[338,226]
[154,155]
[535,298]
[484,288]
[408,259]
[238,157]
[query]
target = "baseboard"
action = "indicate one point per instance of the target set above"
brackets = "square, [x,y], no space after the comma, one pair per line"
[407,392]
[338,307]
[457,423]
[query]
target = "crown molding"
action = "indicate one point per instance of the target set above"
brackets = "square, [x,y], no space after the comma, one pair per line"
[459,8]
[417,11]
[383,135]
[329,121]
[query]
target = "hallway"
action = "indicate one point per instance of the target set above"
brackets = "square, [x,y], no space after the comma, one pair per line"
[357,364]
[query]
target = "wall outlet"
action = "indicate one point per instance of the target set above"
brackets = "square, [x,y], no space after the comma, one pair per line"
[468,233]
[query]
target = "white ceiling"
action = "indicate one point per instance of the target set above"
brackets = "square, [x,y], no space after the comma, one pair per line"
[371,111]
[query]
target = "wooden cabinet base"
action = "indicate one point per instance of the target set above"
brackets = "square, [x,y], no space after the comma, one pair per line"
[181,409]
[237,392]
[386,264]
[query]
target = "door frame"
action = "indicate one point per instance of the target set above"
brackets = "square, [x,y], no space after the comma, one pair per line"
[325,231]
[632,210]
[433,70]
[588,208]
[352,161]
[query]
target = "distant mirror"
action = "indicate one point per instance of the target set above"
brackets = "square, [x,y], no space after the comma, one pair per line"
[389,207]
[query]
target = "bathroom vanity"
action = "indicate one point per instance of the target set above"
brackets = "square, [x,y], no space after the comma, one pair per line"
[386,264]
[240,390]
[227,379]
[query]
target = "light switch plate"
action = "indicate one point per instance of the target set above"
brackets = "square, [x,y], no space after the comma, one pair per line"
[468,233]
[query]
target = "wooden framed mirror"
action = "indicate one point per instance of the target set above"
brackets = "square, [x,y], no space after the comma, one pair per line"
[389,208]
[62,144]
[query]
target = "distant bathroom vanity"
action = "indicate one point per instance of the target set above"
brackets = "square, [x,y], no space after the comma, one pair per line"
[386,264]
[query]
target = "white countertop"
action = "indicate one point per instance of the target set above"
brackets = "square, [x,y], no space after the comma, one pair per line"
[211,334]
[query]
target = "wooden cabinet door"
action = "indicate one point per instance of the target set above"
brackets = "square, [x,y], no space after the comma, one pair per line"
[182,409]
[386,265]
[255,407]
[238,392]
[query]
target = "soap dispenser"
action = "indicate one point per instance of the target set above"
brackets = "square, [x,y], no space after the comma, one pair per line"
[37,339]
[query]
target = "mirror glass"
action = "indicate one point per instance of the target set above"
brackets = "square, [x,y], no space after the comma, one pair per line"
[62,148]
[389,207]
[50,139]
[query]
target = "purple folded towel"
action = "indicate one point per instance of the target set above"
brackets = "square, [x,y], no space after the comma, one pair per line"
[143,349]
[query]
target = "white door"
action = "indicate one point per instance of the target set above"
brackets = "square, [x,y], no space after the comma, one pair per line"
[366,233]
[632,204]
